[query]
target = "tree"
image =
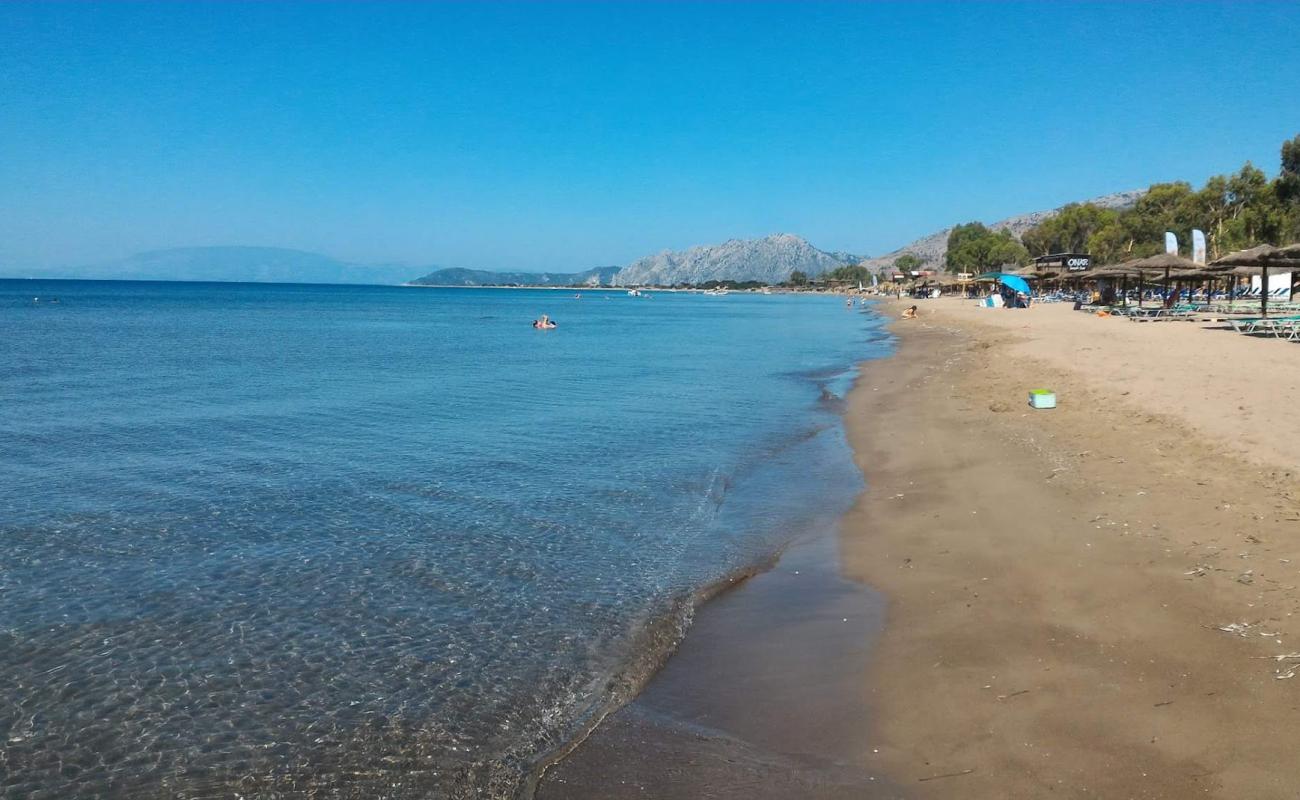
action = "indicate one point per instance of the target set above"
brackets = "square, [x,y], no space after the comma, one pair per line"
[1288,180]
[974,248]
[908,262]
[1235,211]
[849,272]
[798,278]
[1069,230]
[1111,244]
[1287,190]
[1252,214]
[1154,213]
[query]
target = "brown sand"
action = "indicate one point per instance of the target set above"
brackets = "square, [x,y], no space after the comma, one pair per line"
[1058,578]
[1057,582]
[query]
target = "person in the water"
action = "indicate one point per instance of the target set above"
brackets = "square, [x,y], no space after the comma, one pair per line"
[545,323]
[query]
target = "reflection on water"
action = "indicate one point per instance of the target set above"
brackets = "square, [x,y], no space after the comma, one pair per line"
[360,542]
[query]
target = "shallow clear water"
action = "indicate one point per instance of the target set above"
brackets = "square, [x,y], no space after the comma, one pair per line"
[378,542]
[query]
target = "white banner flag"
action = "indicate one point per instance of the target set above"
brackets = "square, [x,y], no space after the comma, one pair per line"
[1171,243]
[1198,245]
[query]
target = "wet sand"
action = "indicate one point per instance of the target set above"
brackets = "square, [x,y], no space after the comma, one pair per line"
[1097,600]
[764,699]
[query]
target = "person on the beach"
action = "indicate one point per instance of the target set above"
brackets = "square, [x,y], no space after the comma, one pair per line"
[909,312]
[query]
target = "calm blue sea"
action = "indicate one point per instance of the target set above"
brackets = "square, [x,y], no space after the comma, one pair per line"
[291,541]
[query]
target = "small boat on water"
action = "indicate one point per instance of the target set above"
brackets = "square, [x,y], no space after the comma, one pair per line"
[634,293]
[716,292]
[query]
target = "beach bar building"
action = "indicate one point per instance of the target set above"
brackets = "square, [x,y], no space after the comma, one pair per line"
[1073,264]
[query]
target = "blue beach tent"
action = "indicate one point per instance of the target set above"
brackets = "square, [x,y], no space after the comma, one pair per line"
[1015,282]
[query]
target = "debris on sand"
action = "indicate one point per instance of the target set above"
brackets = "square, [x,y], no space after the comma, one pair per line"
[1235,628]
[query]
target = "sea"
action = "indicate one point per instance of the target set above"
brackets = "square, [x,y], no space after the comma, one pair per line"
[381,542]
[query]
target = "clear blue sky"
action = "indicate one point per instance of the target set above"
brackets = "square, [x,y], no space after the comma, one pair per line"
[543,136]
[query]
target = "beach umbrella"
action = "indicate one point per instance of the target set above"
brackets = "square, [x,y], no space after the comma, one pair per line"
[1164,261]
[1114,270]
[1257,260]
[1250,257]
[1250,262]
[1167,263]
[1125,270]
[1123,273]
[1290,259]
[1014,282]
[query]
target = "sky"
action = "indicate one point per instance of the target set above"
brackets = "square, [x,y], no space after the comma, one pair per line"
[542,136]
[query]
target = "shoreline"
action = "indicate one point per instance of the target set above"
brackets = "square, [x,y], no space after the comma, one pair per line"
[761,697]
[623,687]
[1096,600]
[759,700]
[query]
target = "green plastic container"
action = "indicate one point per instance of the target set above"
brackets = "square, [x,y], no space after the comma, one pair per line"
[1042,398]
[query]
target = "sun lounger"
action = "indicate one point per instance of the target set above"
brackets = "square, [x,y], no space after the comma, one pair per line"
[1262,324]
[1287,329]
[1179,312]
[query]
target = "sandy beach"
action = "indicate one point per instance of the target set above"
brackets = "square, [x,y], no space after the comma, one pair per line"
[1090,600]
[1096,600]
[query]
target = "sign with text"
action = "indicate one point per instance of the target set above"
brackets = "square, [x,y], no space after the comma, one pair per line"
[1070,262]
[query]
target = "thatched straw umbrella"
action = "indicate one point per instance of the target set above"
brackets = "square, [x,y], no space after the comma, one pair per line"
[1123,272]
[1258,259]
[1168,262]
[1250,257]
[1289,252]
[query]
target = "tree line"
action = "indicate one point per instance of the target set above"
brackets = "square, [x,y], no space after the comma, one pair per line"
[1234,211]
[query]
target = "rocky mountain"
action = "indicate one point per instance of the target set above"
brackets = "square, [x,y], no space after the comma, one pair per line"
[244,264]
[770,259]
[934,247]
[599,276]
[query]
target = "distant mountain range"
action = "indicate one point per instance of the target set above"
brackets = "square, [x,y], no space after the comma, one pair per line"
[236,264]
[457,276]
[932,249]
[770,259]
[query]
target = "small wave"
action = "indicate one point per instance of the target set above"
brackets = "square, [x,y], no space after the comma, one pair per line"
[830,401]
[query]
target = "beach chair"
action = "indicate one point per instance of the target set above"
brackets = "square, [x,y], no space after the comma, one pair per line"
[1289,330]
[1184,311]
[1250,325]
[1278,326]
